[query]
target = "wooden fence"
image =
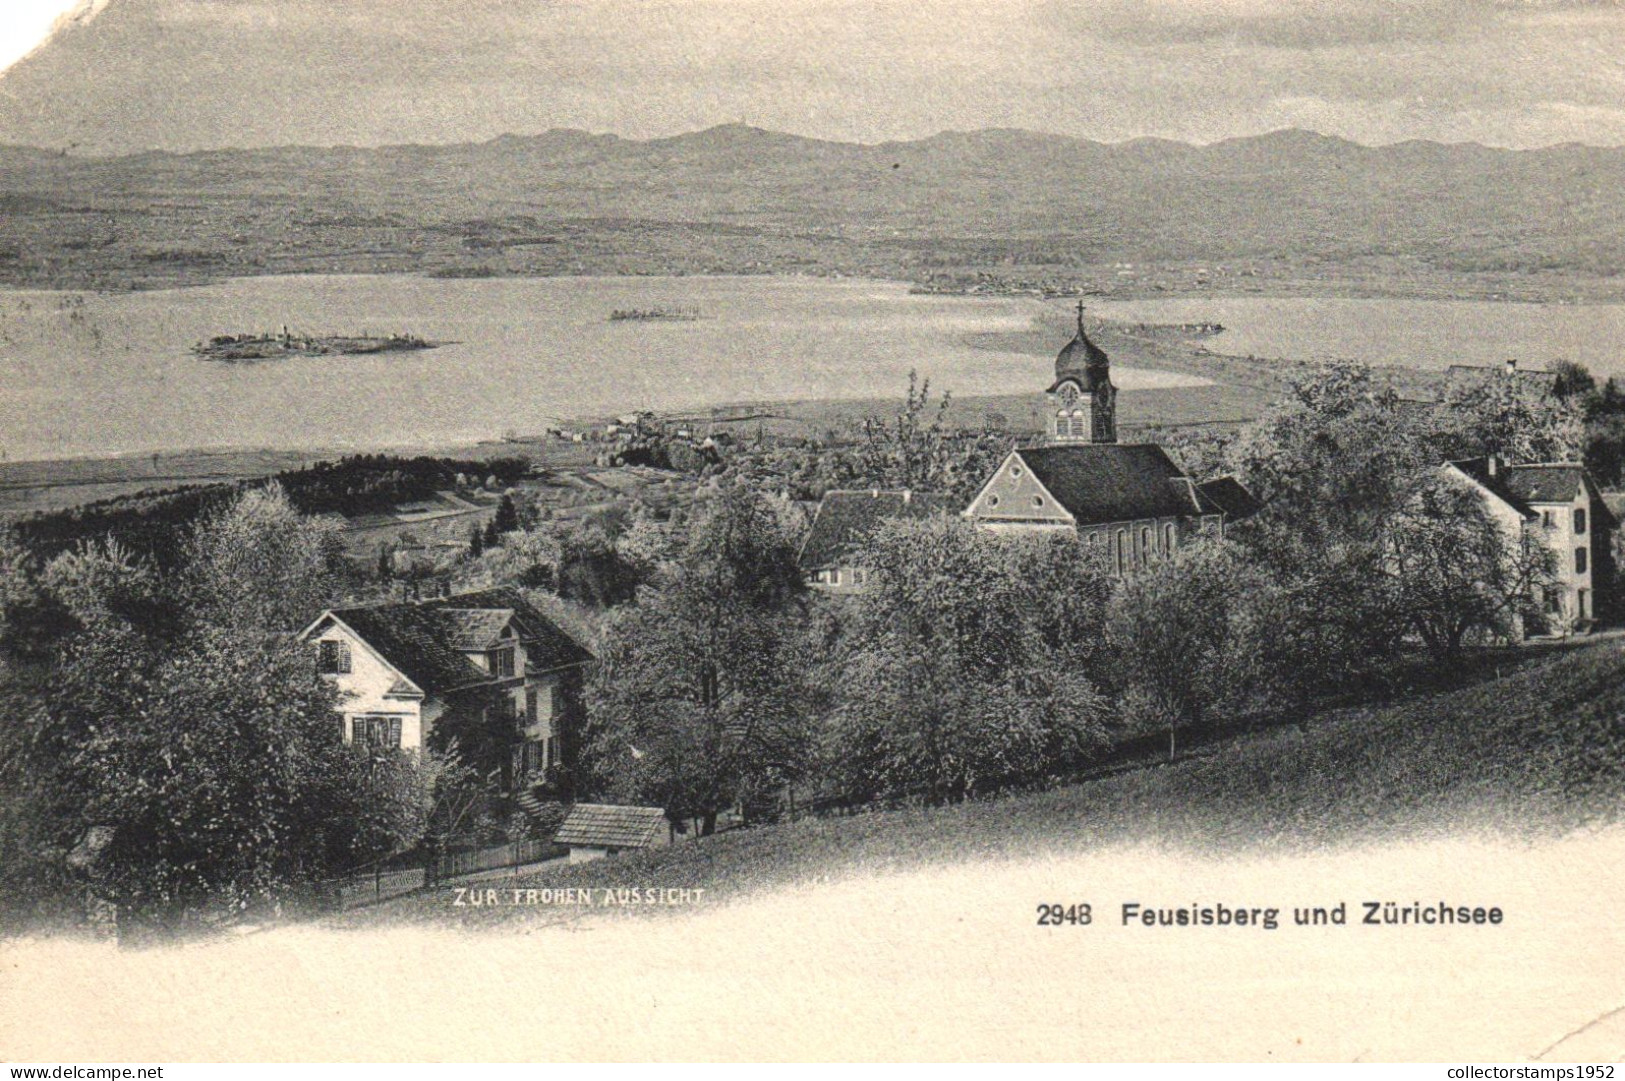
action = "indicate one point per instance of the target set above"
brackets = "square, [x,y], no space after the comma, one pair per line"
[451,864]
[374,882]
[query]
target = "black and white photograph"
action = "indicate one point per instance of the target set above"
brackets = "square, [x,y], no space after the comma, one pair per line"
[812,530]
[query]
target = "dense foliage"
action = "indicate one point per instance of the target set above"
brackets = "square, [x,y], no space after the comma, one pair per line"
[171,748]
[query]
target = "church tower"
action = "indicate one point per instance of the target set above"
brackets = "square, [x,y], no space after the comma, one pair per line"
[1083,402]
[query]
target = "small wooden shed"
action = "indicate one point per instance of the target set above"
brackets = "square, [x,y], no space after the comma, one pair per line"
[594,830]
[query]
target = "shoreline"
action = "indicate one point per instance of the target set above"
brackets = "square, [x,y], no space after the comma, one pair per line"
[1506,288]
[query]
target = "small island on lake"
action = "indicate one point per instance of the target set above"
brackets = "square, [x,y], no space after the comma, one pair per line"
[682,315]
[249,348]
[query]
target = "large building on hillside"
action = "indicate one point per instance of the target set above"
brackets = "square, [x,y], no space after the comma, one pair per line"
[1129,500]
[1562,505]
[402,670]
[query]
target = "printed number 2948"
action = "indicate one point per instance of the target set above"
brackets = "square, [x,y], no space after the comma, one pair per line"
[1056,915]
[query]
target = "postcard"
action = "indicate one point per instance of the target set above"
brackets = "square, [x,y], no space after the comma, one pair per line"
[715,530]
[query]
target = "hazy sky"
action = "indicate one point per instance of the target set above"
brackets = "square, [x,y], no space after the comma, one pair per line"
[184,74]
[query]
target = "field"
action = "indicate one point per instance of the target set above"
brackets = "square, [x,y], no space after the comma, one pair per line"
[1527,743]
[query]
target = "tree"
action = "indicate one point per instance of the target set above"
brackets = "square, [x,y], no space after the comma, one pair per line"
[476,541]
[1454,569]
[966,664]
[907,452]
[1169,629]
[926,455]
[1572,380]
[507,516]
[1327,459]
[259,565]
[1514,418]
[221,774]
[32,620]
[696,701]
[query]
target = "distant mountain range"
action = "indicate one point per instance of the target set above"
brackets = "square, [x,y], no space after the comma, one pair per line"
[738,198]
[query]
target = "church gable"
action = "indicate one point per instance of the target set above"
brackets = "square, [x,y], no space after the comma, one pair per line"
[1015,494]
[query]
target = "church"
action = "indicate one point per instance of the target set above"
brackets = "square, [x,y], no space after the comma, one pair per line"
[1130,501]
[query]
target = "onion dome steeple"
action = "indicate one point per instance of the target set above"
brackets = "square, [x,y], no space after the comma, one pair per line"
[1082,394]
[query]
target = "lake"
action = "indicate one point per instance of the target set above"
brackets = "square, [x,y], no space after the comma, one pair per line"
[84,374]
[88,374]
[1408,333]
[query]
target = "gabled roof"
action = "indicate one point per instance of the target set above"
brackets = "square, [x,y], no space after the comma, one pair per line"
[412,639]
[1113,482]
[1227,496]
[610,826]
[1555,483]
[845,519]
[1521,486]
[547,646]
[424,641]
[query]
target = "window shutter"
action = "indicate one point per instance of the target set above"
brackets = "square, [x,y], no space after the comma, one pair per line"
[394,731]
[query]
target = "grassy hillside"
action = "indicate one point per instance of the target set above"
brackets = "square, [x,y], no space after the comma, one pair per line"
[1290,208]
[1531,743]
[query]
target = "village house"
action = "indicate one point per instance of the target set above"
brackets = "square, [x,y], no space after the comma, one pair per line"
[458,662]
[843,521]
[1131,502]
[1563,505]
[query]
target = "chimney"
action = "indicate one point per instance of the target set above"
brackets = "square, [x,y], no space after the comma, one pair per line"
[1493,463]
[1512,365]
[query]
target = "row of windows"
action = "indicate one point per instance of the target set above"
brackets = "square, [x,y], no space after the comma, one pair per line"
[376,731]
[1071,424]
[333,659]
[1127,553]
[1553,602]
[993,500]
[837,576]
[1548,519]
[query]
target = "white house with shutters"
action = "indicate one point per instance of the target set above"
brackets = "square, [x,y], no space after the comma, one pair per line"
[1560,503]
[402,670]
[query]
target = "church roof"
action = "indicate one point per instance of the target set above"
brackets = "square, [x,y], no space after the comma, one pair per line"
[1082,361]
[845,519]
[1226,496]
[1114,482]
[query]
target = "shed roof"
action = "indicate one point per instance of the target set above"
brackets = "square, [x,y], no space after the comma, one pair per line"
[1113,482]
[844,519]
[611,826]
